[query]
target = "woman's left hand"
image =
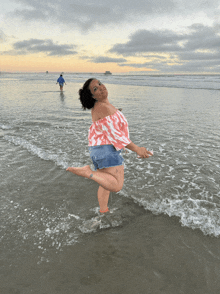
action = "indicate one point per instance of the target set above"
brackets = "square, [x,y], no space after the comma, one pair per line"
[142,152]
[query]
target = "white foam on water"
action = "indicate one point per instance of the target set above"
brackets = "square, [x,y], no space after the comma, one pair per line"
[193,213]
[45,155]
[43,228]
[101,221]
[185,188]
[74,216]
[91,225]
[5,127]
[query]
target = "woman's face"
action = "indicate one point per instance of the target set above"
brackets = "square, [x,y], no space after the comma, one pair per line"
[98,90]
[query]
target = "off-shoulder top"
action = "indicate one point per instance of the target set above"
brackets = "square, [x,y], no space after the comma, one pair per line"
[110,130]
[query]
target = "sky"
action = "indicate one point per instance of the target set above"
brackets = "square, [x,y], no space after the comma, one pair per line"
[142,36]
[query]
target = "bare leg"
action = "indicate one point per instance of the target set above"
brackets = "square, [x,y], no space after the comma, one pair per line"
[103,196]
[110,178]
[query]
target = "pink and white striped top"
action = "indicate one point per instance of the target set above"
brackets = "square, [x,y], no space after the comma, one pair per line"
[110,130]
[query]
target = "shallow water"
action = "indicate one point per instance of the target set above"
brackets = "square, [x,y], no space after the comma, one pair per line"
[43,131]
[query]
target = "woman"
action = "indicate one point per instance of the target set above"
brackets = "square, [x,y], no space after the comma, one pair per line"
[108,135]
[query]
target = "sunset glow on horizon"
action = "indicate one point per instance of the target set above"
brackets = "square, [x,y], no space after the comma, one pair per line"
[145,36]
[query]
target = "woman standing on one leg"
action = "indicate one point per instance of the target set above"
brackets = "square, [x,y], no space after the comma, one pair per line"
[108,135]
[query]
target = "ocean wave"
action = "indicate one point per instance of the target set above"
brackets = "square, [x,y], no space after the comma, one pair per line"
[193,213]
[188,81]
[45,155]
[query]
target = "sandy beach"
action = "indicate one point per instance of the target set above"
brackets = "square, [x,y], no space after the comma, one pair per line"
[147,254]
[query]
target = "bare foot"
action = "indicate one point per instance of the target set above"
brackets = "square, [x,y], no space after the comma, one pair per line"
[84,171]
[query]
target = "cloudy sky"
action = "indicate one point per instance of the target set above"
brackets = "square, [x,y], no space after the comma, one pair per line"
[153,36]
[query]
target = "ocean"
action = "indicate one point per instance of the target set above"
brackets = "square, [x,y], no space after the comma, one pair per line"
[46,211]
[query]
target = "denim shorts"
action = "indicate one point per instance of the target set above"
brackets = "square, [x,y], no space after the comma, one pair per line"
[105,156]
[61,84]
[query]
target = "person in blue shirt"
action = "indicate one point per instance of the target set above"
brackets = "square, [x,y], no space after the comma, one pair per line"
[61,81]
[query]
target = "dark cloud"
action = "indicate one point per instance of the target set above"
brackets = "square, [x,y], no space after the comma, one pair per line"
[199,37]
[41,46]
[87,14]
[199,48]
[144,41]
[103,59]
[203,38]
[195,66]
[198,56]
[189,66]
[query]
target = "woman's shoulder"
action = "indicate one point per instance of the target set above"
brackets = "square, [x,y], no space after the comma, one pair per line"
[101,110]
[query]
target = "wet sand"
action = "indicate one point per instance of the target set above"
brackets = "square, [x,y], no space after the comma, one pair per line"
[147,254]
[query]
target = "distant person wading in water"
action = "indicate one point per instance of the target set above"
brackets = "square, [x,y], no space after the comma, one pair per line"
[61,81]
[108,135]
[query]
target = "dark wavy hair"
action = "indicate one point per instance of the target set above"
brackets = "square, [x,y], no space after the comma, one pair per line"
[85,96]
